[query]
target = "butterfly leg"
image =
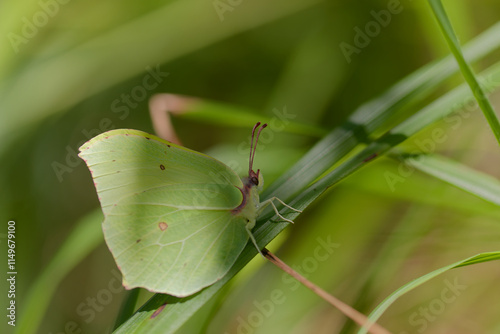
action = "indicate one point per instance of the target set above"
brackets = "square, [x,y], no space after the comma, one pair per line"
[254,241]
[270,201]
[288,206]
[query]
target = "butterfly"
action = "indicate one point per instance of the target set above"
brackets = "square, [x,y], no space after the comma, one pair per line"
[175,220]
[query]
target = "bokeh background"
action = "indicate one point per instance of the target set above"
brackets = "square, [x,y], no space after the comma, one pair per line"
[62,73]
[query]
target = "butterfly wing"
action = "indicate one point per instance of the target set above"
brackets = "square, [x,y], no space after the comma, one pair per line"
[167,211]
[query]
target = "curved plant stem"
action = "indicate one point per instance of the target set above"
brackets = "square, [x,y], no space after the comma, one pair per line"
[356,316]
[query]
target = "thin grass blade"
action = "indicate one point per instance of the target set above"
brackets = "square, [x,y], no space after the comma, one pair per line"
[382,307]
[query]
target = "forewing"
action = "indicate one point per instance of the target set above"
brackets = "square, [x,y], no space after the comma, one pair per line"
[126,162]
[167,211]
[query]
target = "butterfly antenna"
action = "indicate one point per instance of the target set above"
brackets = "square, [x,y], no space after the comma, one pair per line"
[255,146]
[250,159]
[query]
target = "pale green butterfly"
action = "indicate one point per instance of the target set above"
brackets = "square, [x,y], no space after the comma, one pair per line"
[175,220]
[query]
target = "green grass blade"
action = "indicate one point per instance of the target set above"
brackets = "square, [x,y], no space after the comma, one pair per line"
[415,189]
[429,114]
[84,238]
[373,117]
[454,100]
[438,109]
[459,175]
[382,307]
[454,45]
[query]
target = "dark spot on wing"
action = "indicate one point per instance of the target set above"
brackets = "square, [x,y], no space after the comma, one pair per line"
[169,145]
[158,311]
[147,138]
[163,226]
[162,167]
[137,241]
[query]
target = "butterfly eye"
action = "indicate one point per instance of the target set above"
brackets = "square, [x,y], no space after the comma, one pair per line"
[254,180]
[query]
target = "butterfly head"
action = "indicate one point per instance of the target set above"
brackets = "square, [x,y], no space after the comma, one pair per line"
[256,179]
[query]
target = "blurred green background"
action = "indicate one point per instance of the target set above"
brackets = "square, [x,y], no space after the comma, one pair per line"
[63,71]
